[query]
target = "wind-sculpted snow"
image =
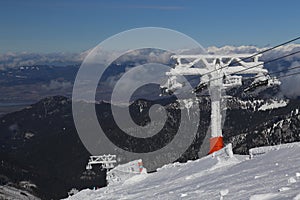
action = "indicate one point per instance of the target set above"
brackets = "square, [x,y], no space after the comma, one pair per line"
[11,193]
[273,175]
[273,104]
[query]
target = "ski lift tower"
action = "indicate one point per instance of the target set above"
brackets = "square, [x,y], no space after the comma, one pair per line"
[216,74]
[107,161]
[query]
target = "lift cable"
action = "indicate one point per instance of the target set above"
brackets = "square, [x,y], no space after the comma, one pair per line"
[256,54]
[269,61]
[276,72]
[287,75]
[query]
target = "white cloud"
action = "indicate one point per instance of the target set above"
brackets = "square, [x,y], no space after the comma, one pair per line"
[139,57]
[14,60]
[289,84]
[11,60]
[58,85]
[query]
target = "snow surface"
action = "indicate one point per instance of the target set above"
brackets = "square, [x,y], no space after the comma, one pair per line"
[262,150]
[273,104]
[11,193]
[272,175]
[259,104]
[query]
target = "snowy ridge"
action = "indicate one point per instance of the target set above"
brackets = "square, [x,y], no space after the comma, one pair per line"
[273,175]
[253,105]
[11,193]
[273,104]
[284,122]
[262,150]
[257,104]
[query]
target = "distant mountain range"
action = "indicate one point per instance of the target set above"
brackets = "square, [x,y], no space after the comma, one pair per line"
[30,83]
[16,60]
[27,77]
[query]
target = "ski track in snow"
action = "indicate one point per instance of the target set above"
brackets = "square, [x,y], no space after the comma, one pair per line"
[272,175]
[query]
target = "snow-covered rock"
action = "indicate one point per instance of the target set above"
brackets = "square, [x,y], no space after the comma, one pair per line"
[273,104]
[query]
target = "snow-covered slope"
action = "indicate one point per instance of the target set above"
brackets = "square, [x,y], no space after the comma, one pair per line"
[11,193]
[273,175]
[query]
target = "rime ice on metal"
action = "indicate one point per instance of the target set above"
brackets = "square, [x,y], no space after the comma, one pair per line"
[217,73]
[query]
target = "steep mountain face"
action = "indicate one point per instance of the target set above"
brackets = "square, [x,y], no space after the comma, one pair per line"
[40,143]
[266,127]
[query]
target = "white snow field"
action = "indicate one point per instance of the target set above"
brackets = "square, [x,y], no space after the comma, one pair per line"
[11,193]
[272,173]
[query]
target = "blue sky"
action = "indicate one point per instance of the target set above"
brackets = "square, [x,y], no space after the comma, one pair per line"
[74,26]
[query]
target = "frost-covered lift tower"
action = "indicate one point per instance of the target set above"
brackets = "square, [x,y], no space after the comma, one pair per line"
[216,74]
[107,161]
[119,173]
